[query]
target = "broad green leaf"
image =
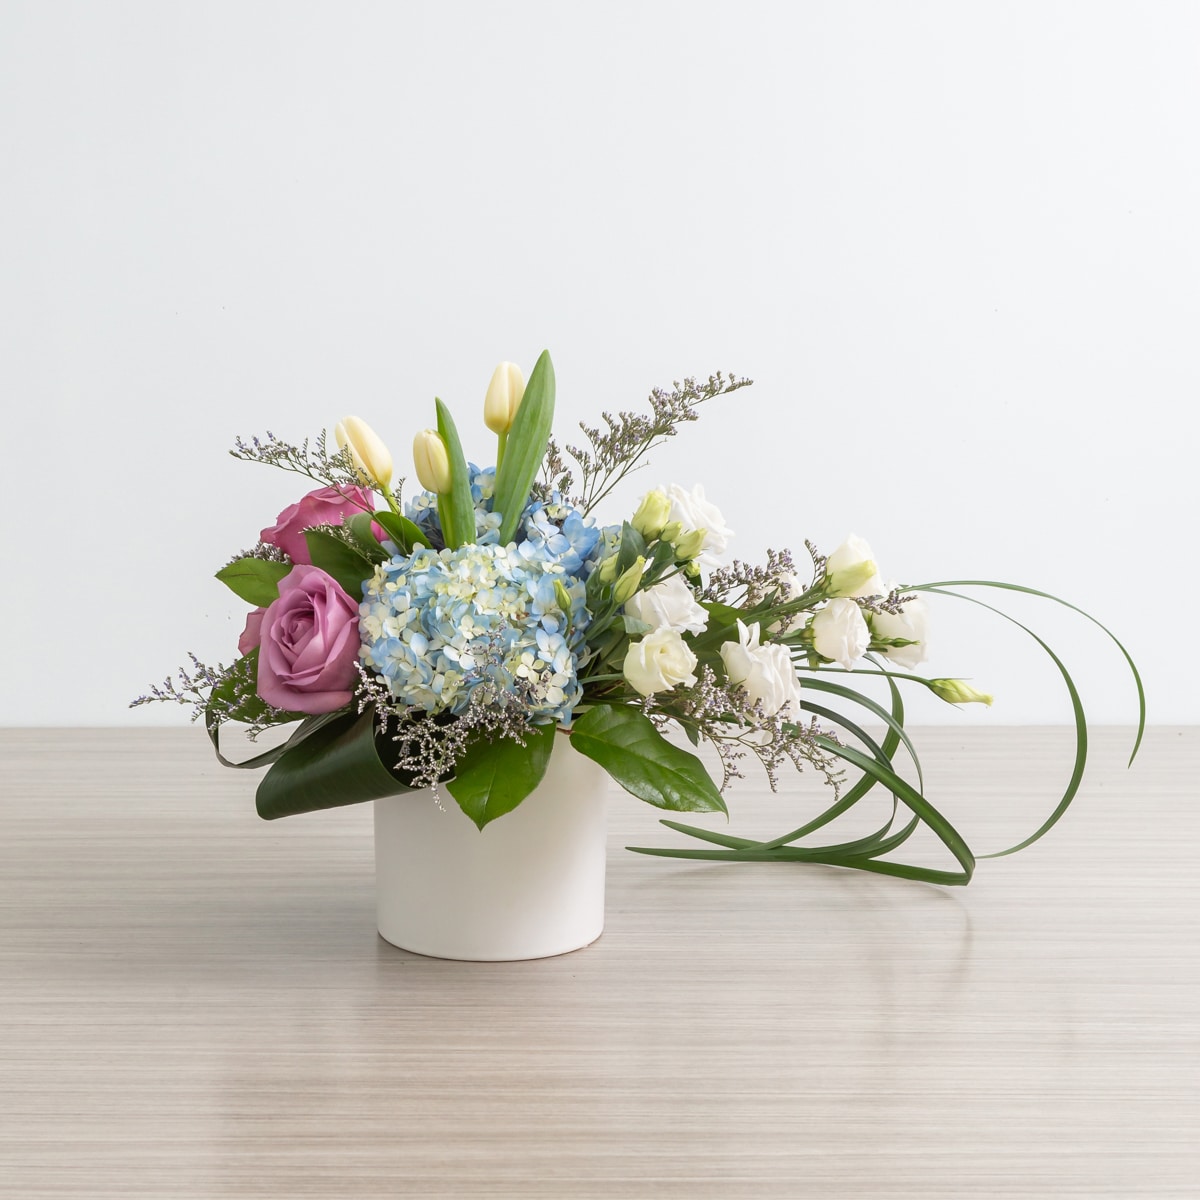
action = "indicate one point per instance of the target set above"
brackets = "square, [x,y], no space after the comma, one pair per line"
[254,579]
[492,778]
[336,765]
[339,559]
[359,528]
[306,727]
[632,547]
[626,744]
[456,508]
[526,448]
[405,533]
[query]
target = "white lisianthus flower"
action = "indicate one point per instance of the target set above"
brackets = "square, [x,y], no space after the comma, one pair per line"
[669,605]
[840,633]
[766,672]
[694,512]
[912,623]
[851,570]
[659,662]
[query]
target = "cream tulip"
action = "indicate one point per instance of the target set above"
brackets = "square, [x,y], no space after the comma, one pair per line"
[371,459]
[503,398]
[432,461]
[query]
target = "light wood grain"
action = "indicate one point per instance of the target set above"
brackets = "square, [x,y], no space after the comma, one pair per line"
[194,1003]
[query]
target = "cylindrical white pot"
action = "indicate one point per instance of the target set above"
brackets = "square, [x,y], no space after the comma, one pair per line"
[528,885]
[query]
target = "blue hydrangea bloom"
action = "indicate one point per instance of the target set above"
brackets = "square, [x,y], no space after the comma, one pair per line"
[437,624]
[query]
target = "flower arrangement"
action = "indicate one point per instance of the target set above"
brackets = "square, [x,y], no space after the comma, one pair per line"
[448,642]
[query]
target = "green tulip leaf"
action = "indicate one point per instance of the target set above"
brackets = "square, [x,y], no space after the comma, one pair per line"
[254,580]
[525,449]
[626,744]
[456,507]
[492,778]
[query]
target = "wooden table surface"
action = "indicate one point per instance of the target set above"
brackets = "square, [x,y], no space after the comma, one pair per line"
[195,1003]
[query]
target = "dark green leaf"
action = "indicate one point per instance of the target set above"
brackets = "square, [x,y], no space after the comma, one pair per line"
[338,764]
[626,744]
[306,727]
[336,557]
[403,532]
[492,778]
[359,528]
[254,579]
[632,547]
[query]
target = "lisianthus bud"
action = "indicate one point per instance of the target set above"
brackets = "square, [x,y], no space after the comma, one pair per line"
[851,570]
[608,568]
[369,455]
[652,514]
[628,583]
[432,461]
[690,544]
[504,396]
[958,691]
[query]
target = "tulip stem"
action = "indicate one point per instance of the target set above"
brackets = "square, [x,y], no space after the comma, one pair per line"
[501,443]
[391,500]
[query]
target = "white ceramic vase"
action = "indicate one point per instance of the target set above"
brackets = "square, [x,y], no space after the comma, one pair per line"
[530,884]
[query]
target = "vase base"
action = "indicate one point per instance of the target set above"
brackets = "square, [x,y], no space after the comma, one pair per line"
[427,951]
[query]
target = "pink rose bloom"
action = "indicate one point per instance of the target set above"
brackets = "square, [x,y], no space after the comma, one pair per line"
[252,634]
[309,644]
[325,506]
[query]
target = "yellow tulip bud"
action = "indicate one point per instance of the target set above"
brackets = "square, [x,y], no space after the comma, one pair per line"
[690,544]
[432,461]
[504,396]
[628,583]
[652,514]
[369,455]
[958,691]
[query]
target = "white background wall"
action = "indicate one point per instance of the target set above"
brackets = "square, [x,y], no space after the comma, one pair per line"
[955,245]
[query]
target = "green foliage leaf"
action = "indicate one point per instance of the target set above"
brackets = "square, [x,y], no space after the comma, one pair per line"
[235,698]
[405,533]
[359,528]
[632,547]
[457,509]
[338,764]
[492,778]
[254,579]
[626,744]
[336,557]
[526,448]
[306,727]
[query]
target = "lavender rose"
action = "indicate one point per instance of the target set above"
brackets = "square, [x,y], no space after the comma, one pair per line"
[309,644]
[325,506]
[252,634]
